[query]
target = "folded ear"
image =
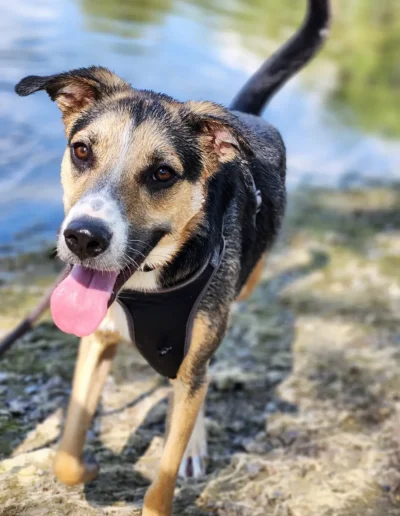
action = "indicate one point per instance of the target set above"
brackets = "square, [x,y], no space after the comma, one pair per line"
[75,90]
[219,131]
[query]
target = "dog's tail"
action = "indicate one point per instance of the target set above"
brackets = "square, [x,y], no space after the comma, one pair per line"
[288,60]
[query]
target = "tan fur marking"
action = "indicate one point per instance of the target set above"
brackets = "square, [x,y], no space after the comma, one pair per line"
[122,152]
[184,410]
[173,107]
[205,108]
[108,136]
[77,93]
[94,361]
[252,281]
[159,497]
[151,136]
[200,335]
[218,142]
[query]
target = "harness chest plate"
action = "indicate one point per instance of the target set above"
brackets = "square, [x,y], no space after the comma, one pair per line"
[161,323]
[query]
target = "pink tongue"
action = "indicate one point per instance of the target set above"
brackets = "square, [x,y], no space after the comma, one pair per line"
[79,303]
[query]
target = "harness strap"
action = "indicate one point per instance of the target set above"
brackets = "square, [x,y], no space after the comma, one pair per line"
[257,194]
[161,322]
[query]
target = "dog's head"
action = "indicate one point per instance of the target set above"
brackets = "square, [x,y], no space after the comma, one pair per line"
[135,172]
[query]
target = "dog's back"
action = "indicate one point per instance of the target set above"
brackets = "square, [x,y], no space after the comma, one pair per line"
[269,165]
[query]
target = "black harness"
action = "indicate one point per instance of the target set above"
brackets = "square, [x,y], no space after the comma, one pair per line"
[161,323]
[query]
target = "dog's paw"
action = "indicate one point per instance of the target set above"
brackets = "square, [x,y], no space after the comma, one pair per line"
[193,464]
[193,467]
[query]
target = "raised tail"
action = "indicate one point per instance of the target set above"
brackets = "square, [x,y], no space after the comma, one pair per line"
[288,60]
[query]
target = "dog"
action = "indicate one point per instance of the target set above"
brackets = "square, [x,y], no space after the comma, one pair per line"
[169,209]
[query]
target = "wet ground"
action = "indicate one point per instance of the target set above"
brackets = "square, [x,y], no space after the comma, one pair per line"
[304,405]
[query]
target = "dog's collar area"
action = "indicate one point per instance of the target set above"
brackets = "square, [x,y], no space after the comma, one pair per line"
[212,260]
[161,322]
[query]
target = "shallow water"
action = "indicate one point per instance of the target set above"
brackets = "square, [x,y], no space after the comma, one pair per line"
[338,118]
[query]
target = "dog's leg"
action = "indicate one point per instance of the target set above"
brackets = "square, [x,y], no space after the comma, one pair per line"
[193,462]
[252,281]
[186,406]
[189,391]
[95,356]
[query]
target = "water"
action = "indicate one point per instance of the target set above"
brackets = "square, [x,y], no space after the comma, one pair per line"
[338,118]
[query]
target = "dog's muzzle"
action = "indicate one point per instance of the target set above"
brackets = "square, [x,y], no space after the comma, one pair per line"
[87,237]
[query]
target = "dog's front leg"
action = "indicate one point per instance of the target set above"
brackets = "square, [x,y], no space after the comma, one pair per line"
[189,392]
[194,460]
[94,359]
[186,406]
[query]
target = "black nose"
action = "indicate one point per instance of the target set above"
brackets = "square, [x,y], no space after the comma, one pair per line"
[87,237]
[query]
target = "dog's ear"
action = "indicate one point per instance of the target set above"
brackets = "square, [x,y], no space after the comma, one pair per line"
[219,136]
[75,90]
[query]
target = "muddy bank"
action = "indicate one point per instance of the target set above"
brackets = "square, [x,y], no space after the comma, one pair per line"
[303,409]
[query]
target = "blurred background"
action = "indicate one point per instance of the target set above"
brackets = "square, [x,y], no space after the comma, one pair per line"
[338,118]
[303,410]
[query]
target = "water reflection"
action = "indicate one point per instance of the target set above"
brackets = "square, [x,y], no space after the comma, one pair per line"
[125,18]
[366,52]
[338,118]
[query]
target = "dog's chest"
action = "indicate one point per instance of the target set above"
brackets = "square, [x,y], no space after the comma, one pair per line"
[160,323]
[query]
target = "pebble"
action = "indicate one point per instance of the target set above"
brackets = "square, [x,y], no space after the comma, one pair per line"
[271,407]
[30,389]
[252,446]
[274,377]
[90,436]
[17,407]
[289,437]
[390,479]
[261,436]
[4,377]
[253,469]
[258,418]
[36,415]
[55,381]
[213,428]
[235,378]
[238,426]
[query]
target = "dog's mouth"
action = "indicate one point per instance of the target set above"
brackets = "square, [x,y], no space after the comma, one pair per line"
[80,301]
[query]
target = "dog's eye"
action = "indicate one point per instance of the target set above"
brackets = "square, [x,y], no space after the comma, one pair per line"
[163,175]
[81,151]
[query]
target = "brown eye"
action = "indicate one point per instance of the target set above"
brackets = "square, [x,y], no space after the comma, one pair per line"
[81,151]
[163,175]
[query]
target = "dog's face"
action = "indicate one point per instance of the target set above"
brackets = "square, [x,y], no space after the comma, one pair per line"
[136,169]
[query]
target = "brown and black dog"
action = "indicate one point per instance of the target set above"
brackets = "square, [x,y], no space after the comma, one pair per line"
[170,207]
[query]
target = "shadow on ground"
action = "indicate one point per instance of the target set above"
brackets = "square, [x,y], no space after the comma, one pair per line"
[302,411]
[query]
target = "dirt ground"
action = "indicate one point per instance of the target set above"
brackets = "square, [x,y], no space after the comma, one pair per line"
[303,412]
